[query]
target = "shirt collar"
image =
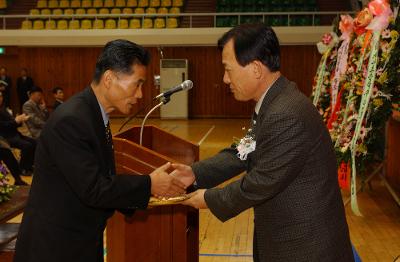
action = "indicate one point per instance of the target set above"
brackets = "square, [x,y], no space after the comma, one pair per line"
[260,101]
[103,114]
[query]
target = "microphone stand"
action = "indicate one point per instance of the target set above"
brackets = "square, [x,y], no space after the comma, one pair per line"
[164,100]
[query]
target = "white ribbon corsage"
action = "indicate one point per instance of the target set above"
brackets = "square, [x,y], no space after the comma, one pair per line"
[246,145]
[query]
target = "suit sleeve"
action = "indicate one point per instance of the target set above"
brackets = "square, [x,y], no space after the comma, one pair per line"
[219,168]
[33,120]
[282,147]
[73,147]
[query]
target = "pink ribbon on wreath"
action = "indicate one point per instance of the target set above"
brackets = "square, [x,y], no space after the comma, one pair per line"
[382,12]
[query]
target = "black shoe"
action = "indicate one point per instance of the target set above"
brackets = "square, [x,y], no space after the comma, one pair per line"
[20,182]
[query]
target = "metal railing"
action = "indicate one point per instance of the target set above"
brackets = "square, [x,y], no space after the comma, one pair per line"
[288,16]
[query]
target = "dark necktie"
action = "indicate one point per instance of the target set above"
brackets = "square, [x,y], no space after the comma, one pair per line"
[110,148]
[108,134]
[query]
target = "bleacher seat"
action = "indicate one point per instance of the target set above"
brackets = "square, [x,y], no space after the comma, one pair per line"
[86,3]
[80,11]
[147,23]
[45,12]
[98,24]
[91,11]
[52,4]
[127,10]
[86,24]
[155,3]
[123,23]
[74,24]
[104,11]
[166,3]
[98,3]
[57,11]
[34,12]
[26,25]
[50,25]
[151,10]
[174,10]
[38,24]
[120,3]
[75,3]
[159,22]
[177,3]
[115,11]
[143,3]
[68,11]
[3,4]
[62,24]
[41,4]
[172,22]
[134,23]
[110,24]
[139,10]
[64,4]
[162,10]
[131,3]
[109,3]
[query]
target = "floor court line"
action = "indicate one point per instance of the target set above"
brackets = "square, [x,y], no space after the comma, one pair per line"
[206,135]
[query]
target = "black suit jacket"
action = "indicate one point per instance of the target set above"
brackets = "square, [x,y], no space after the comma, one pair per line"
[8,126]
[75,189]
[291,183]
[23,87]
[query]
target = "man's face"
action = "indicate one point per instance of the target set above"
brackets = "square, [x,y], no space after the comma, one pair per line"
[23,73]
[240,79]
[36,97]
[59,95]
[3,72]
[124,90]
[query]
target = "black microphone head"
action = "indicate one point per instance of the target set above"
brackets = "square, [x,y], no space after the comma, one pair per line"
[187,84]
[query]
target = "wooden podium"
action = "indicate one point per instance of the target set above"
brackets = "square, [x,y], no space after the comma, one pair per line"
[163,233]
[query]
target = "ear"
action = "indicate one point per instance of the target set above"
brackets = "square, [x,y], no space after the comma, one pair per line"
[107,78]
[257,69]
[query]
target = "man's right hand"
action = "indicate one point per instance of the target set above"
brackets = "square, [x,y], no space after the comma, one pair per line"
[164,185]
[21,118]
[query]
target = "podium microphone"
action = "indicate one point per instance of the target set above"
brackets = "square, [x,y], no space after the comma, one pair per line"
[185,85]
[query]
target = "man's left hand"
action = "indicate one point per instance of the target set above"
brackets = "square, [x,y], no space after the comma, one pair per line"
[196,200]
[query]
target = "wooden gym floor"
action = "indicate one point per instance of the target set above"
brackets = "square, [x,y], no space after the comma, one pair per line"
[376,235]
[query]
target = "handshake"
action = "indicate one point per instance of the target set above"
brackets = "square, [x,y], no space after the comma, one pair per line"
[176,183]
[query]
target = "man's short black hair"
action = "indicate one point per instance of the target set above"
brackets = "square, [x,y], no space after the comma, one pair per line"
[35,89]
[56,89]
[254,42]
[119,56]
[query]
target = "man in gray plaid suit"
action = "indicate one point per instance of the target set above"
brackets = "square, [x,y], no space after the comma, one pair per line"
[291,181]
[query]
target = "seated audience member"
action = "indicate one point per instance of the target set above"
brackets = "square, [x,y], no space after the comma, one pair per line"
[12,164]
[58,94]
[7,87]
[9,131]
[24,86]
[35,108]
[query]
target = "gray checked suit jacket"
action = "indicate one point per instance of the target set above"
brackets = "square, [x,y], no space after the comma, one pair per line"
[37,118]
[291,183]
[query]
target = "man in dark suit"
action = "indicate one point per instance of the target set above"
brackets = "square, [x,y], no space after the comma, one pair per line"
[24,86]
[58,94]
[75,189]
[7,88]
[291,180]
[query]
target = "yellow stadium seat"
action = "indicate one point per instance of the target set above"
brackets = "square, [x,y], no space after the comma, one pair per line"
[159,22]
[104,11]
[41,4]
[91,11]
[139,10]
[174,10]
[98,3]
[38,24]
[26,25]
[75,3]
[110,24]
[177,3]
[123,24]
[131,3]
[86,3]
[51,25]
[80,11]
[68,11]
[172,22]
[3,4]
[115,11]
[45,12]
[64,4]
[147,23]
[74,24]
[166,3]
[143,3]
[109,3]
[34,12]
[127,10]
[120,3]
[98,24]
[57,11]
[134,23]
[86,24]
[154,3]
[162,10]
[151,10]
[52,4]
[62,24]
